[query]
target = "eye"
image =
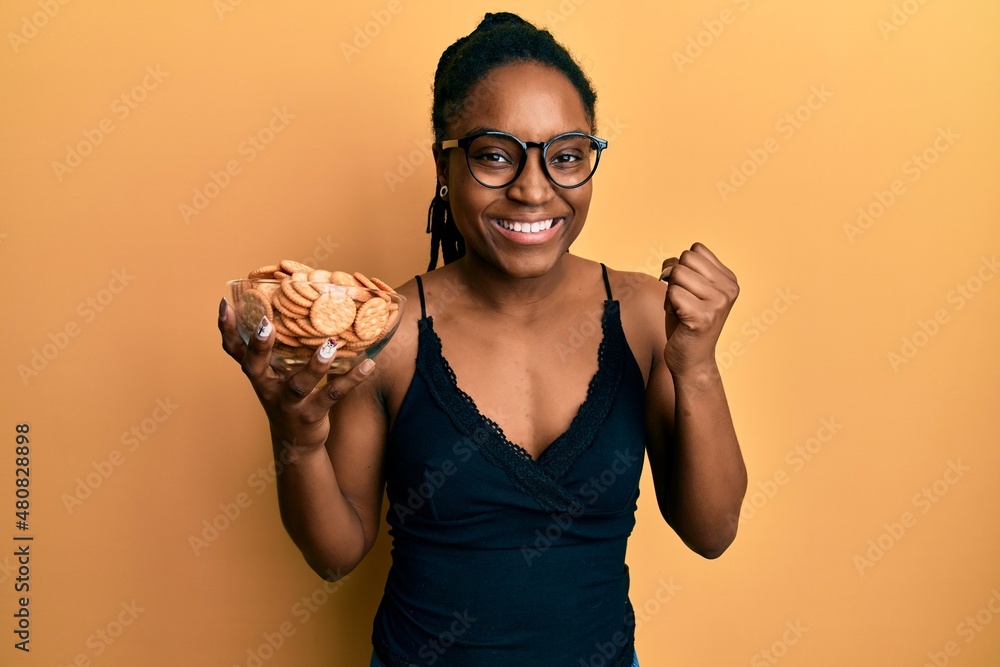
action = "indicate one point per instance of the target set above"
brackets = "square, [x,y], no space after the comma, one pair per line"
[565,158]
[569,152]
[495,157]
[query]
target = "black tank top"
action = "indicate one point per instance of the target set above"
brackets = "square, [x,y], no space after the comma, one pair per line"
[499,560]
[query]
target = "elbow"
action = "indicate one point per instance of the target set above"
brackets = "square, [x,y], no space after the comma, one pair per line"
[710,549]
[333,566]
[713,543]
[330,572]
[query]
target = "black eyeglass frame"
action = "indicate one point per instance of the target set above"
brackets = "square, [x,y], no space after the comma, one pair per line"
[465,142]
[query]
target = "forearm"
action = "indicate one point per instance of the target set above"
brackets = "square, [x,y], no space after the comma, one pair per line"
[318,517]
[708,476]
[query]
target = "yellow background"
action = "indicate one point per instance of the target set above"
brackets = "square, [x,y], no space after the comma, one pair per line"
[823,305]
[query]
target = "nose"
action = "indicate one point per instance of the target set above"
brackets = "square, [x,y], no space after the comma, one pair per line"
[532,186]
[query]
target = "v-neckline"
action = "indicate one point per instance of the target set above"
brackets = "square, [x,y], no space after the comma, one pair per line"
[519,449]
[537,476]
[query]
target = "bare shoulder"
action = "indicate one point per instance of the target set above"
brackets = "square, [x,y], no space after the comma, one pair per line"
[641,297]
[395,365]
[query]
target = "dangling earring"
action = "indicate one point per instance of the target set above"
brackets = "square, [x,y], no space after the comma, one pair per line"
[443,192]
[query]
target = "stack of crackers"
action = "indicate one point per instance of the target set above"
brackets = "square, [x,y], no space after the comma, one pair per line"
[309,306]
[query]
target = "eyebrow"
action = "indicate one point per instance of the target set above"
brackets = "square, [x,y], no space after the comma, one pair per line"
[486,128]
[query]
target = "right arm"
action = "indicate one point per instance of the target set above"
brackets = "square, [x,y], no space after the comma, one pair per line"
[328,444]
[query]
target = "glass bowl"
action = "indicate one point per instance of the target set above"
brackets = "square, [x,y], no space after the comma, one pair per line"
[307,313]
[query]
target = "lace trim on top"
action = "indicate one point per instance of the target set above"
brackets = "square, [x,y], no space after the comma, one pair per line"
[538,478]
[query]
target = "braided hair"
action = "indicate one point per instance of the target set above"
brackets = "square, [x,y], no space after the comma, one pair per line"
[499,39]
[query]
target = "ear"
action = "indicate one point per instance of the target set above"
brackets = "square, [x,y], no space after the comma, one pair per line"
[441,166]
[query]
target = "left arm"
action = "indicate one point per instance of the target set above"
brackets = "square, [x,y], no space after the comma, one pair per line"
[698,470]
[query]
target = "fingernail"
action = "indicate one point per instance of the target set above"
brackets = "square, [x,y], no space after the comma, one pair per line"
[223,307]
[327,349]
[366,366]
[264,329]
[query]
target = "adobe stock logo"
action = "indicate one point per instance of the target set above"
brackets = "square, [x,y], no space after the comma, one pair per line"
[31,25]
[913,167]
[958,297]
[121,107]
[924,500]
[757,156]
[363,35]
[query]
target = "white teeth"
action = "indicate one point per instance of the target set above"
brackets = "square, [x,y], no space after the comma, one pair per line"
[527,227]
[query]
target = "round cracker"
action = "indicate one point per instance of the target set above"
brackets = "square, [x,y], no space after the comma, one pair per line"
[291,294]
[382,285]
[293,326]
[292,310]
[253,307]
[332,312]
[371,319]
[348,336]
[290,266]
[280,326]
[363,279]
[343,278]
[319,276]
[307,326]
[267,287]
[359,346]
[300,282]
[264,271]
[290,341]
[316,341]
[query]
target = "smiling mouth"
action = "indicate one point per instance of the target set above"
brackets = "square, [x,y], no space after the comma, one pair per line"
[526,227]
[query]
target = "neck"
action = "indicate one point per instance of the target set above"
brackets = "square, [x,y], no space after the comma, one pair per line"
[510,295]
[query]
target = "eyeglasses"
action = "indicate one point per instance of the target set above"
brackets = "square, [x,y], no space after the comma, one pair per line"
[496,158]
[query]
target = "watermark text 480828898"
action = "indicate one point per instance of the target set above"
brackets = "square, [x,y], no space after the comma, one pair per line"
[22,540]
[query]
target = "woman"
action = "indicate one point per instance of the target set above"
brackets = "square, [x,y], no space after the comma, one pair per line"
[511,471]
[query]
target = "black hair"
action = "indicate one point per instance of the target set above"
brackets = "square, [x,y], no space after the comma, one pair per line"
[498,40]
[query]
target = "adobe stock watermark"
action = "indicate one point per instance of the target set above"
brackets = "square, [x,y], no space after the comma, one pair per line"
[31,24]
[900,15]
[786,126]
[796,458]
[967,630]
[653,605]
[606,651]
[302,611]
[7,569]
[711,31]
[590,491]
[778,649]
[561,12]
[247,151]
[103,638]
[224,7]
[923,500]
[87,311]
[755,327]
[957,297]
[131,441]
[588,323]
[230,511]
[434,649]
[365,34]
[121,108]
[321,252]
[914,168]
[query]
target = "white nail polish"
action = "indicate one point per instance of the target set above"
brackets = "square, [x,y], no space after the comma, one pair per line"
[327,349]
[264,328]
